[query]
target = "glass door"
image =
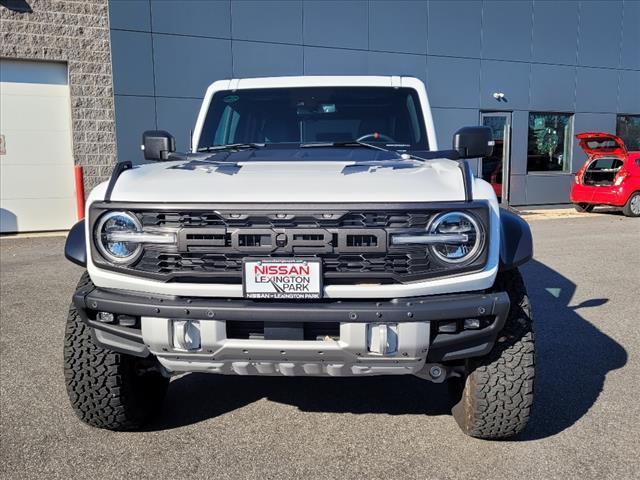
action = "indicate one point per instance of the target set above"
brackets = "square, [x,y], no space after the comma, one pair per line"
[495,168]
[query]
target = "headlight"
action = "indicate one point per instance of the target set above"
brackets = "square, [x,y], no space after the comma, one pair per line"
[111,235]
[459,237]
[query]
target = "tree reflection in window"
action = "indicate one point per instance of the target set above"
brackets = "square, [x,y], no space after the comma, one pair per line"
[549,142]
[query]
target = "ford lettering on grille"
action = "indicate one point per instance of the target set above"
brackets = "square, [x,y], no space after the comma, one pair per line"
[282,240]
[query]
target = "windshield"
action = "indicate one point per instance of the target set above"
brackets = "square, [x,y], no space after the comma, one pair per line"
[383,116]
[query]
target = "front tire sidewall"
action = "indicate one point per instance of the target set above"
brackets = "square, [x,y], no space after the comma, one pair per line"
[497,392]
[108,389]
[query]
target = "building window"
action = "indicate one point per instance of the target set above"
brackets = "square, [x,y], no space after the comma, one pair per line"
[549,143]
[628,129]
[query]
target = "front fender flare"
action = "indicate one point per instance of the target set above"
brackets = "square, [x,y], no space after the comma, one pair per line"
[75,248]
[516,242]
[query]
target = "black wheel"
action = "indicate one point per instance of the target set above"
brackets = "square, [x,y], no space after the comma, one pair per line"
[583,207]
[108,389]
[497,393]
[632,207]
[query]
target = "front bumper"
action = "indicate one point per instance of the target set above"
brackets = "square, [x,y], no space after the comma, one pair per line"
[415,320]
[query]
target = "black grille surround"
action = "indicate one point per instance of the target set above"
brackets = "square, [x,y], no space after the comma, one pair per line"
[352,240]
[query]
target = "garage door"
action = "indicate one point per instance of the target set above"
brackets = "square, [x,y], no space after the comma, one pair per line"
[36,161]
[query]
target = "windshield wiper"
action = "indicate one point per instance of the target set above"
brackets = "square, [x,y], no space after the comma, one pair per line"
[350,143]
[231,146]
[426,156]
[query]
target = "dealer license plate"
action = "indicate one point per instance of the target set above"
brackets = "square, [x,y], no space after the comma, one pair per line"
[282,278]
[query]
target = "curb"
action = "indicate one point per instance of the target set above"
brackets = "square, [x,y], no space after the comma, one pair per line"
[57,233]
[548,214]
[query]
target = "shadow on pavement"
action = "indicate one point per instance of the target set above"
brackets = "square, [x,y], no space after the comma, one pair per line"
[603,210]
[573,357]
[199,396]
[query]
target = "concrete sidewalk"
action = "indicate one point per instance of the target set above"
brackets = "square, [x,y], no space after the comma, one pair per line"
[543,213]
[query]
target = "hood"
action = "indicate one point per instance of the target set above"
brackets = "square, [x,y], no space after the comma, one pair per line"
[296,176]
[596,143]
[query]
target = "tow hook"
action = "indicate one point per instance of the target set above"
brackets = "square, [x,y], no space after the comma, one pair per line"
[435,372]
[382,338]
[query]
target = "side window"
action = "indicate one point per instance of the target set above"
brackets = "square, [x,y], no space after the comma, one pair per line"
[413,115]
[226,131]
[233,127]
[220,136]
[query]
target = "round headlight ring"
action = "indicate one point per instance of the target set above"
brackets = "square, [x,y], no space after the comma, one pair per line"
[475,250]
[135,249]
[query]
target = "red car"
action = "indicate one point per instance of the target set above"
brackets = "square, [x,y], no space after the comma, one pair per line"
[610,176]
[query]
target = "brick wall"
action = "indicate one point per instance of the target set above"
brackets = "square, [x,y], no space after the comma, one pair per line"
[76,32]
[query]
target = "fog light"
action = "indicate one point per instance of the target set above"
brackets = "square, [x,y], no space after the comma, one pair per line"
[186,335]
[448,327]
[127,320]
[471,323]
[382,338]
[105,317]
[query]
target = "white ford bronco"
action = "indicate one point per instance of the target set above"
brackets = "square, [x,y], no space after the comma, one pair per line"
[314,228]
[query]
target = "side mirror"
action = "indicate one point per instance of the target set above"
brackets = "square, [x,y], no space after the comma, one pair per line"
[157,144]
[473,142]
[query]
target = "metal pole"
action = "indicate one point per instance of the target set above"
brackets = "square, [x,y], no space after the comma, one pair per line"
[79,191]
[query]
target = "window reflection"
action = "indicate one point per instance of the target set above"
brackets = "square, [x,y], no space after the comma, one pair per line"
[628,129]
[492,166]
[549,142]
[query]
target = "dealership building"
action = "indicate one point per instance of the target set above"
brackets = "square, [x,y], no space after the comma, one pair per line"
[81,80]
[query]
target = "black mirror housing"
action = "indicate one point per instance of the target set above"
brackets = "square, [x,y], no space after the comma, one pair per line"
[157,145]
[473,142]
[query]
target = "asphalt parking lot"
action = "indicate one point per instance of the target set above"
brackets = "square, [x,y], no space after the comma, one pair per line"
[585,289]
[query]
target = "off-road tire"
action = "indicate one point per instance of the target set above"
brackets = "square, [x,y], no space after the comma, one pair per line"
[627,210]
[497,393]
[583,207]
[108,389]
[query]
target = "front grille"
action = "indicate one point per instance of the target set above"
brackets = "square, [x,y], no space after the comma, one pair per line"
[353,243]
[396,263]
[374,219]
[362,241]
